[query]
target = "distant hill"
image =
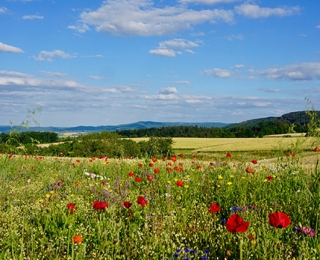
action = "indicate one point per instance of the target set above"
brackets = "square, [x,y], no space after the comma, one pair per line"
[293,117]
[137,125]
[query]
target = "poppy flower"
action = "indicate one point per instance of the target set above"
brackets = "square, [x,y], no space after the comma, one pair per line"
[156,171]
[179,183]
[194,156]
[127,204]
[316,149]
[199,167]
[77,239]
[154,159]
[279,220]
[249,170]
[150,164]
[236,224]
[140,164]
[131,174]
[214,207]
[142,201]
[164,158]
[270,177]
[254,161]
[72,207]
[100,205]
[176,168]
[149,178]
[138,179]
[181,155]
[173,158]
[229,155]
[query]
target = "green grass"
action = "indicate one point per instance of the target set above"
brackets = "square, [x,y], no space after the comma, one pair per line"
[35,222]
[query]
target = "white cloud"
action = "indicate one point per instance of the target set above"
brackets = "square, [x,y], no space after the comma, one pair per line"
[218,73]
[10,49]
[81,28]
[32,17]
[3,10]
[171,47]
[167,91]
[13,74]
[97,77]
[208,2]
[318,26]
[238,66]
[295,72]
[182,82]
[140,17]
[270,90]
[163,52]
[54,74]
[48,55]
[254,11]
[235,37]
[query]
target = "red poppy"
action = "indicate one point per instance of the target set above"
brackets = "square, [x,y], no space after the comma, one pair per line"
[10,155]
[279,220]
[100,205]
[236,224]
[169,169]
[77,239]
[214,207]
[229,155]
[151,164]
[194,156]
[181,155]
[149,178]
[316,149]
[173,158]
[138,179]
[199,167]
[142,201]
[288,154]
[180,183]
[131,174]
[270,177]
[254,161]
[127,204]
[176,168]
[249,170]
[154,159]
[156,171]
[72,207]
[164,158]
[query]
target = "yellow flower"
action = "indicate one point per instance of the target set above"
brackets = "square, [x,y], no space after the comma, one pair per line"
[48,195]
[231,176]
[169,182]
[186,186]
[218,185]
[265,180]
[220,177]
[243,177]
[175,179]
[40,200]
[52,191]
[187,176]
[229,182]
[71,195]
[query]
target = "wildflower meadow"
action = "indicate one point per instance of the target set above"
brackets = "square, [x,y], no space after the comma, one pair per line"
[179,207]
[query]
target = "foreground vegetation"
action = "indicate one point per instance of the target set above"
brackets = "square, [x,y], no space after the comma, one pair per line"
[158,208]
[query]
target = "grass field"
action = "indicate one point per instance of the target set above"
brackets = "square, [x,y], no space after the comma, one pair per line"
[227,204]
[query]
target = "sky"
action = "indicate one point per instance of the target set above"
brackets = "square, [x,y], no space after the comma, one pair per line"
[121,61]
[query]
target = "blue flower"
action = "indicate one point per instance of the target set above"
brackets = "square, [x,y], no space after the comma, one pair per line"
[187,250]
[178,250]
[176,255]
[206,251]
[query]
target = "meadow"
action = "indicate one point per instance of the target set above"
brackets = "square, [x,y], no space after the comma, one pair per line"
[219,200]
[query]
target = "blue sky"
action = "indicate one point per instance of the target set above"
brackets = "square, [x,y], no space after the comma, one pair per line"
[121,61]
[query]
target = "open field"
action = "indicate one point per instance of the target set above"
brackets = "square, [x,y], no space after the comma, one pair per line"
[239,144]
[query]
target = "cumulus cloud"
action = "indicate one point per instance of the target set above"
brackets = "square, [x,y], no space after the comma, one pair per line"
[171,47]
[140,17]
[238,66]
[10,49]
[218,73]
[255,11]
[32,17]
[168,91]
[295,72]
[49,55]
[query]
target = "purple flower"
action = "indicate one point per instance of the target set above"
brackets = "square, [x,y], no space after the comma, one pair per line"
[308,231]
